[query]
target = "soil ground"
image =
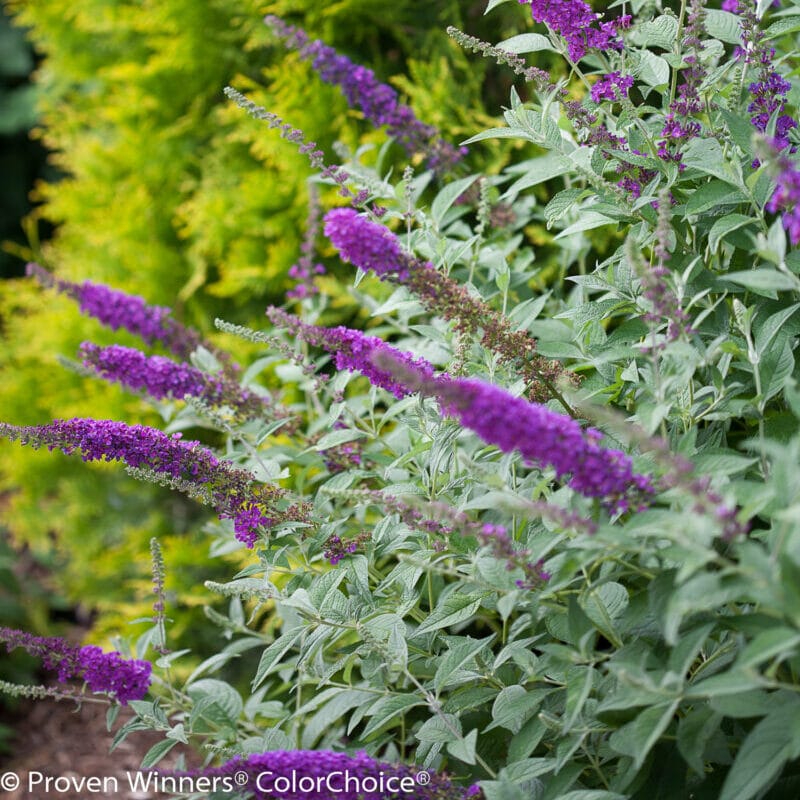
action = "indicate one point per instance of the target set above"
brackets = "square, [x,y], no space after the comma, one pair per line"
[56,740]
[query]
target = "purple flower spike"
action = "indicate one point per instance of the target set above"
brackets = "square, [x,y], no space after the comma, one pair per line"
[327,775]
[162,378]
[125,679]
[116,310]
[353,350]
[366,244]
[542,436]
[376,100]
[786,197]
[109,672]
[186,465]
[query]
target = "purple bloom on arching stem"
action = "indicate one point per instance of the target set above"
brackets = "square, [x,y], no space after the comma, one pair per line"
[366,244]
[162,378]
[192,468]
[125,679]
[352,350]
[543,437]
[116,310]
[109,672]
[769,91]
[304,270]
[327,775]
[377,100]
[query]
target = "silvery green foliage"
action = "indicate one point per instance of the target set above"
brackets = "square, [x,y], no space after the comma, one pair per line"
[657,654]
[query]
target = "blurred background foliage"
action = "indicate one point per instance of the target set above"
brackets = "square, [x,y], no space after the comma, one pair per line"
[160,187]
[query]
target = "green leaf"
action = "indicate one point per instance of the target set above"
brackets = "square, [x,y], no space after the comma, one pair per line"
[497,133]
[589,220]
[755,703]
[335,438]
[502,789]
[712,195]
[440,729]
[694,731]
[539,170]
[579,685]
[706,156]
[722,463]
[638,737]
[767,332]
[765,750]
[603,604]
[777,365]
[527,740]
[451,663]
[722,25]
[455,608]
[222,694]
[464,749]
[514,706]
[493,4]
[157,752]
[652,69]
[560,204]
[725,225]
[721,685]
[274,653]
[768,644]
[389,709]
[659,32]
[592,794]
[764,281]
[448,196]
[526,43]
[782,26]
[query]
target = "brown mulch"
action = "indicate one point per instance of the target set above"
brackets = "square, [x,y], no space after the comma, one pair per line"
[54,739]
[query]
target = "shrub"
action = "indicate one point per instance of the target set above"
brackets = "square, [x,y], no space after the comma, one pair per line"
[168,195]
[535,529]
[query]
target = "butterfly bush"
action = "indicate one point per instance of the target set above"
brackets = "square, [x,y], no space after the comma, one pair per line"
[125,679]
[517,517]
